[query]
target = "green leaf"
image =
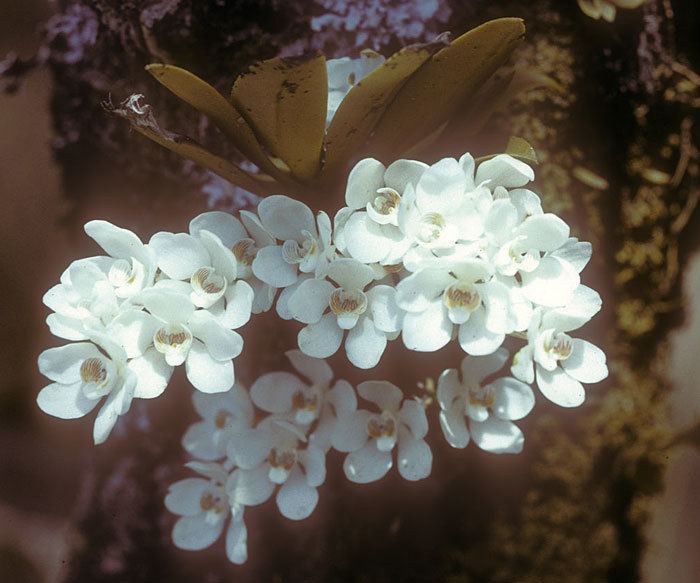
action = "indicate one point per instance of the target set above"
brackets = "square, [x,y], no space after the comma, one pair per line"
[520,148]
[437,90]
[285,101]
[366,102]
[210,102]
[187,148]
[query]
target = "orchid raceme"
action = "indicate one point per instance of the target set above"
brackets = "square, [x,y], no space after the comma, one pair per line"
[459,250]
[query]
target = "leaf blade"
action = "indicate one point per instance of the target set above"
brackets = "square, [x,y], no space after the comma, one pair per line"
[435,92]
[284,100]
[206,99]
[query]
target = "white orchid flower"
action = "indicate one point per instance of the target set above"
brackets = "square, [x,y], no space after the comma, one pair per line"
[370,317]
[84,301]
[204,505]
[488,409]
[211,269]
[222,415]
[243,238]
[367,228]
[465,294]
[371,437]
[306,244]
[174,332]
[83,373]
[277,452]
[133,265]
[556,361]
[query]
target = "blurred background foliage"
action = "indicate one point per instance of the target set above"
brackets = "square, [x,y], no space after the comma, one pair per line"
[617,139]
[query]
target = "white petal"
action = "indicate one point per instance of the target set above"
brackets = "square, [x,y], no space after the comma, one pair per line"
[504,170]
[84,274]
[449,388]
[584,304]
[428,330]
[497,299]
[365,240]
[179,255]
[248,448]
[526,201]
[382,393]
[235,401]
[263,296]
[308,303]
[221,343]
[62,364]
[544,232]
[221,258]
[314,369]
[350,433]
[476,368]
[198,441]
[441,187]
[523,367]
[205,373]
[250,487]
[152,374]
[184,497]
[107,417]
[285,218]
[350,274]
[577,253]
[475,338]
[134,330]
[224,225]
[117,242]
[322,339]
[419,290]
[501,219]
[586,363]
[415,460]
[194,533]
[273,391]
[257,232]
[166,304]
[386,314]
[65,327]
[401,173]
[551,283]
[365,344]
[560,388]
[367,464]
[342,397]
[314,461]
[413,415]
[296,500]
[454,427]
[364,180]
[269,266]
[237,542]
[514,399]
[497,435]
[282,307]
[239,299]
[65,401]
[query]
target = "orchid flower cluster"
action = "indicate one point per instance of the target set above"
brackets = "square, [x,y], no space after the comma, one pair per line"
[454,251]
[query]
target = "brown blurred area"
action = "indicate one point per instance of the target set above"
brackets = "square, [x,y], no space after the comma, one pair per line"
[39,472]
[43,459]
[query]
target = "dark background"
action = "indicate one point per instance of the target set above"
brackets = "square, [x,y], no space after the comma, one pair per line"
[598,494]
